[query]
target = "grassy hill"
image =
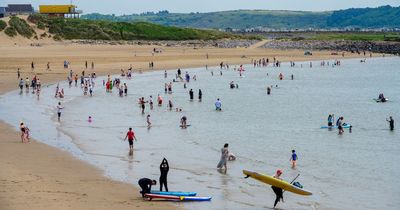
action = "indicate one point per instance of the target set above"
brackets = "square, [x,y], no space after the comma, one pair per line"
[62,28]
[385,16]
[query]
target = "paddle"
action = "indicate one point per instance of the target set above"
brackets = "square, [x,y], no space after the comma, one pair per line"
[292,181]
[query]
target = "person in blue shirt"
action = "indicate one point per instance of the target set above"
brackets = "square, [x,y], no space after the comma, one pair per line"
[294,158]
[218,105]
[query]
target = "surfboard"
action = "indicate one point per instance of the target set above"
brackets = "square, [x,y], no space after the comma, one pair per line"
[380,101]
[176,198]
[192,198]
[276,182]
[184,127]
[164,197]
[344,126]
[174,193]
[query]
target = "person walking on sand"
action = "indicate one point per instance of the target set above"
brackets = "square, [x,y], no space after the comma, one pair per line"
[164,168]
[59,108]
[23,132]
[391,123]
[130,135]
[21,84]
[224,158]
[293,158]
[278,191]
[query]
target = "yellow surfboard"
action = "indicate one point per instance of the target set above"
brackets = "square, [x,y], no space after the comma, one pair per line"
[276,182]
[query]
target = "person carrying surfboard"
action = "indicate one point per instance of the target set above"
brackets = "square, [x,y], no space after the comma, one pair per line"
[224,158]
[278,191]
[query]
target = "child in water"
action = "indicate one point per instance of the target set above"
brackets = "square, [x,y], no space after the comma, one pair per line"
[294,158]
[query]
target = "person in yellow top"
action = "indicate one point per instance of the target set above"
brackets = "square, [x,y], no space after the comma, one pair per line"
[278,191]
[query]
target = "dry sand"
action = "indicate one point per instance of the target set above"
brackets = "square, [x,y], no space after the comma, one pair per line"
[36,176]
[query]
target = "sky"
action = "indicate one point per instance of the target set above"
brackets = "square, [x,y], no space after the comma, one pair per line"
[120,7]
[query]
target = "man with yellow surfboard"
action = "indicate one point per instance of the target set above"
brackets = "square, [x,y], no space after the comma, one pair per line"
[278,185]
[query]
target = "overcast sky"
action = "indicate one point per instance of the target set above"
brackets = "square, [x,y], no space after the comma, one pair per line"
[138,6]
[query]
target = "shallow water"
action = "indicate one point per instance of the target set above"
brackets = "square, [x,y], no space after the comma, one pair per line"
[356,170]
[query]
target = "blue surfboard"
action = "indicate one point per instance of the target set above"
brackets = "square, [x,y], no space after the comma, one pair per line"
[174,193]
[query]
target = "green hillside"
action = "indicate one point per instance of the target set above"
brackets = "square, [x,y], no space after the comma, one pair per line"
[385,16]
[108,30]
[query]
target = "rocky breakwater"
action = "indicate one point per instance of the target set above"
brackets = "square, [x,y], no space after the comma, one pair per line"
[349,46]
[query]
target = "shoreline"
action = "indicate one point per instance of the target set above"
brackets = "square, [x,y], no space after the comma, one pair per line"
[36,162]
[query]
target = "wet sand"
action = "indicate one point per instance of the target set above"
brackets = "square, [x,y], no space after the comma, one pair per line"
[37,176]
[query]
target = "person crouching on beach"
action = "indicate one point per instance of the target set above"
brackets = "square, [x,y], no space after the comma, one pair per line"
[145,184]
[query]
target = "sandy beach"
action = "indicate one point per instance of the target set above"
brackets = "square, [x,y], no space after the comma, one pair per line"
[37,176]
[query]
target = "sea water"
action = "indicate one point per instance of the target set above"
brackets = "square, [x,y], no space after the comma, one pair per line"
[356,170]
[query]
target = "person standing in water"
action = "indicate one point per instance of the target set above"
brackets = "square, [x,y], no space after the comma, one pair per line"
[200,95]
[294,158]
[191,94]
[278,191]
[59,108]
[330,120]
[391,123]
[131,136]
[184,122]
[148,121]
[224,158]
[170,105]
[218,105]
[268,90]
[339,124]
[164,168]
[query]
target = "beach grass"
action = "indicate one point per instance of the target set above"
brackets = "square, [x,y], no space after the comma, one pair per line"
[3,25]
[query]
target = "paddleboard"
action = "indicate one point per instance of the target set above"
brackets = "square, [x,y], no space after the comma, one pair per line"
[276,182]
[344,126]
[174,193]
[192,198]
[184,127]
[380,101]
[164,197]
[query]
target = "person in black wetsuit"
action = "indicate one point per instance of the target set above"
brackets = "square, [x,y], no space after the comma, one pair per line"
[145,184]
[200,95]
[278,191]
[164,168]
[391,123]
[191,94]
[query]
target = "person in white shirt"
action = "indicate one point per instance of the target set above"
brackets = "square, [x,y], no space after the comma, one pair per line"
[59,108]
